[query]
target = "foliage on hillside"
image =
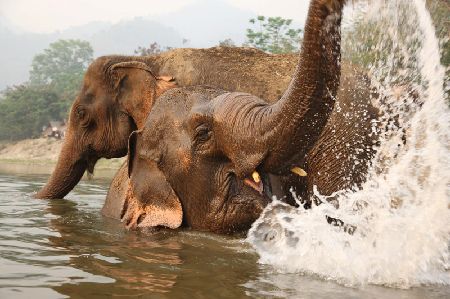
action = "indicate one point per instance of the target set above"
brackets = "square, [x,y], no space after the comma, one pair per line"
[61,65]
[25,109]
[227,43]
[273,35]
[55,78]
[153,49]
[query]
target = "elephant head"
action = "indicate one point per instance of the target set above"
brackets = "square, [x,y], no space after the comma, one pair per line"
[115,98]
[204,155]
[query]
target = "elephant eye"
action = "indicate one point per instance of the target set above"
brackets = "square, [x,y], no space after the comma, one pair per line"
[202,133]
[81,113]
[83,116]
[88,98]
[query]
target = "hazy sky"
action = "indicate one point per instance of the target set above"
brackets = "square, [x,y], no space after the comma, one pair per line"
[50,15]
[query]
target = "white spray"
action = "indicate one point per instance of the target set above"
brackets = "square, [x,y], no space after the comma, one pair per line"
[402,212]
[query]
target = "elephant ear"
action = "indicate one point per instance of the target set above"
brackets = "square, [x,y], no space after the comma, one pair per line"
[137,87]
[150,200]
[126,66]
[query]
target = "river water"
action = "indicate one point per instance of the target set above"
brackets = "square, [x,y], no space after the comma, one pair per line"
[65,248]
[400,249]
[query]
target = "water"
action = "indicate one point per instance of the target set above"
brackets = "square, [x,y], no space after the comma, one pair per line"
[65,248]
[402,212]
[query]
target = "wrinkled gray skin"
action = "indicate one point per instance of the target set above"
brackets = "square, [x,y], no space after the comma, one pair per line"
[191,163]
[340,158]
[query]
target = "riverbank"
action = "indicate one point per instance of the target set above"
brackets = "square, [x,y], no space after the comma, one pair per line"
[42,153]
[31,151]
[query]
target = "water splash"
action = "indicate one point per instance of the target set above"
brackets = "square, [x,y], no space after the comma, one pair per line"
[402,212]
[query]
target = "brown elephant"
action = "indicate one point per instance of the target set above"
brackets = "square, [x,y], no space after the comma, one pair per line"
[204,157]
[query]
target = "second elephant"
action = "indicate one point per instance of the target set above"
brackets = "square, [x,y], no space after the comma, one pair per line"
[192,162]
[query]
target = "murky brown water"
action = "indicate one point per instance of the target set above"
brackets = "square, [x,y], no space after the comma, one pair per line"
[65,248]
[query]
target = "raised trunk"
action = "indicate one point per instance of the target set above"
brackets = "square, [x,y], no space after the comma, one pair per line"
[68,172]
[278,136]
[294,123]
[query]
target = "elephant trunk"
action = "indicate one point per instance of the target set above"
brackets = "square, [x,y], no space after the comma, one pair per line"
[68,172]
[278,136]
[293,125]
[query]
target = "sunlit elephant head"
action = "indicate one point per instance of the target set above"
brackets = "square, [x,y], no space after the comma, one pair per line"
[114,100]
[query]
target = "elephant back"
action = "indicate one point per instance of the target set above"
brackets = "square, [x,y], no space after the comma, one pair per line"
[238,69]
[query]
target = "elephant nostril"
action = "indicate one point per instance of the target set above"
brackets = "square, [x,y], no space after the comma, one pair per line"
[141,218]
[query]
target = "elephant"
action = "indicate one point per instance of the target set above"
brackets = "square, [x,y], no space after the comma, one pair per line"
[204,157]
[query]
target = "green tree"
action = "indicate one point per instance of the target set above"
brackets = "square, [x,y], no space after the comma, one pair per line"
[25,109]
[62,66]
[55,77]
[153,49]
[273,35]
[227,43]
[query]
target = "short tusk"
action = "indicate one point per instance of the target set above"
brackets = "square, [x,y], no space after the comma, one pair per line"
[256,177]
[298,171]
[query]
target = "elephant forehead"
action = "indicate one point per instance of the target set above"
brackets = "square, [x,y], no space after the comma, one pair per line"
[164,124]
[167,131]
[169,111]
[230,103]
[95,73]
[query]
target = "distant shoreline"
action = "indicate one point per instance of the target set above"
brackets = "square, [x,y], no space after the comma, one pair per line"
[40,155]
[31,151]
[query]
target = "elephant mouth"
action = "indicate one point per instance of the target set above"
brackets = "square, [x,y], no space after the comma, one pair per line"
[257,185]
[259,182]
[255,182]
